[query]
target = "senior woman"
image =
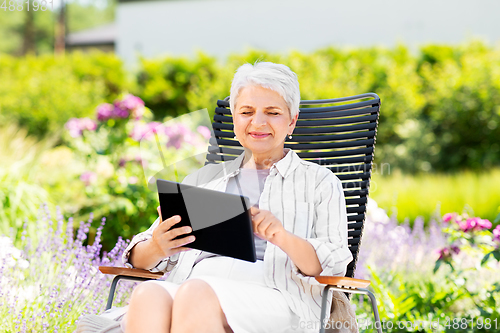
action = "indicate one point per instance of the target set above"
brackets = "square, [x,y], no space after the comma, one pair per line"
[298,216]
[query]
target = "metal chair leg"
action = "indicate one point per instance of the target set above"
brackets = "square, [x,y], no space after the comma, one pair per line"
[324,300]
[373,300]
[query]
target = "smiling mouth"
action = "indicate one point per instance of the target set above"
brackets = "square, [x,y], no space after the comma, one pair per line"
[258,136]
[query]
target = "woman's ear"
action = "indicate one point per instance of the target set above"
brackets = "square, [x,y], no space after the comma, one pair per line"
[294,120]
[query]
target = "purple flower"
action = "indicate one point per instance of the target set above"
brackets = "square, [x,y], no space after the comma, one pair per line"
[105,111]
[484,224]
[496,233]
[76,126]
[455,249]
[88,177]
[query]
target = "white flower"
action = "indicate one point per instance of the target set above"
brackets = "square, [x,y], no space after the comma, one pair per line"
[375,213]
[11,255]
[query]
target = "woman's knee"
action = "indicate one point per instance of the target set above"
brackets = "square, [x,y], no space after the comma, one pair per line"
[194,289]
[150,292]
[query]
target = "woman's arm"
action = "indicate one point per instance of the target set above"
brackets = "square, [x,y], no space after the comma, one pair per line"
[302,253]
[161,245]
[325,252]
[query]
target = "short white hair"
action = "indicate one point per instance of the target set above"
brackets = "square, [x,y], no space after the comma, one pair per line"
[276,77]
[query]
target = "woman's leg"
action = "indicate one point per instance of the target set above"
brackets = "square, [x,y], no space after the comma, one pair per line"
[150,309]
[196,308]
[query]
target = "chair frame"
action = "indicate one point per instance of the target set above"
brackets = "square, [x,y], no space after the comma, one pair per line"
[368,112]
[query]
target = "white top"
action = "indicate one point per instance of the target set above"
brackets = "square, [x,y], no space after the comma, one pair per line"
[309,200]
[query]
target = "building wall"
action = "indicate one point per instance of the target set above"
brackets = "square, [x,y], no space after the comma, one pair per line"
[221,27]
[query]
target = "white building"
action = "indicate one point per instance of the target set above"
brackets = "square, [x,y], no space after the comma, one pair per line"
[220,27]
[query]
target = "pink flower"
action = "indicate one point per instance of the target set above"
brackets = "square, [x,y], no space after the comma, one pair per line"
[88,177]
[140,130]
[496,233]
[474,223]
[130,104]
[177,134]
[444,253]
[484,224]
[203,130]
[118,112]
[76,126]
[449,216]
[105,111]
[447,252]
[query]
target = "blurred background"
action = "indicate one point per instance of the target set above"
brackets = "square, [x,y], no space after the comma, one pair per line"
[435,66]
[81,82]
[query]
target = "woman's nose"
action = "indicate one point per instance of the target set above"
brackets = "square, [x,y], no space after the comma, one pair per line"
[259,119]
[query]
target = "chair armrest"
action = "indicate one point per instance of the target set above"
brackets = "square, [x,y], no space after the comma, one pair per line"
[124,271]
[342,281]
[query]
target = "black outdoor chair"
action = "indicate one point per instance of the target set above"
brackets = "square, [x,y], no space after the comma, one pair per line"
[339,137]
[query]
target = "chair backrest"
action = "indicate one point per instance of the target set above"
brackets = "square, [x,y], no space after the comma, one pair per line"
[339,137]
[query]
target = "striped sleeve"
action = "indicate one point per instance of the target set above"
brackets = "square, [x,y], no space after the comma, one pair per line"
[329,230]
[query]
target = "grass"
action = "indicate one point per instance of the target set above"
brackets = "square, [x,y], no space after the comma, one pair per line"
[409,196]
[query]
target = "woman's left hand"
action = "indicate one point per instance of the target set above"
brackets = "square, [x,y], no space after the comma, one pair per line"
[268,227]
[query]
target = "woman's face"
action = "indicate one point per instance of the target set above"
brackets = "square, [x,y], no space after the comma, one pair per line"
[262,121]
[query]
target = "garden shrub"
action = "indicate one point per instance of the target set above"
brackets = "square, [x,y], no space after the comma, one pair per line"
[445,273]
[439,106]
[118,152]
[42,93]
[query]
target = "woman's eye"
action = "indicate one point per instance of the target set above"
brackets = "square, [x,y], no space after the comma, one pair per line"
[273,113]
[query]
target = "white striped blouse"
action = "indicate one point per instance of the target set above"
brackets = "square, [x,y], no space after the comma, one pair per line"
[309,201]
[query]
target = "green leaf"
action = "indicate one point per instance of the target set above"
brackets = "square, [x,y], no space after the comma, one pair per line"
[497,219]
[438,264]
[496,254]
[485,259]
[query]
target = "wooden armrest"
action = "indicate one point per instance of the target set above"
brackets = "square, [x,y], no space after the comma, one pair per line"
[130,272]
[342,281]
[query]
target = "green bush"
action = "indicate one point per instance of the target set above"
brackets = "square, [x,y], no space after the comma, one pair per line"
[440,106]
[42,93]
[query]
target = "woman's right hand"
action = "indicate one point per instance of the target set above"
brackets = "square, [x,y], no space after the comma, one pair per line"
[163,236]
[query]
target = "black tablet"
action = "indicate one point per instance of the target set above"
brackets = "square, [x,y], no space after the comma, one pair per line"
[221,222]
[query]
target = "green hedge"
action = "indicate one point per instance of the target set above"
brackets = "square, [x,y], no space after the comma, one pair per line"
[42,93]
[440,106]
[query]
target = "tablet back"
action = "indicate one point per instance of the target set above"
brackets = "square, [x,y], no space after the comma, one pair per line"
[220,221]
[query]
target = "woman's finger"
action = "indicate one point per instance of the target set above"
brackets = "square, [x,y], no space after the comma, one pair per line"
[174,232]
[262,226]
[182,241]
[180,249]
[159,213]
[254,210]
[168,223]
